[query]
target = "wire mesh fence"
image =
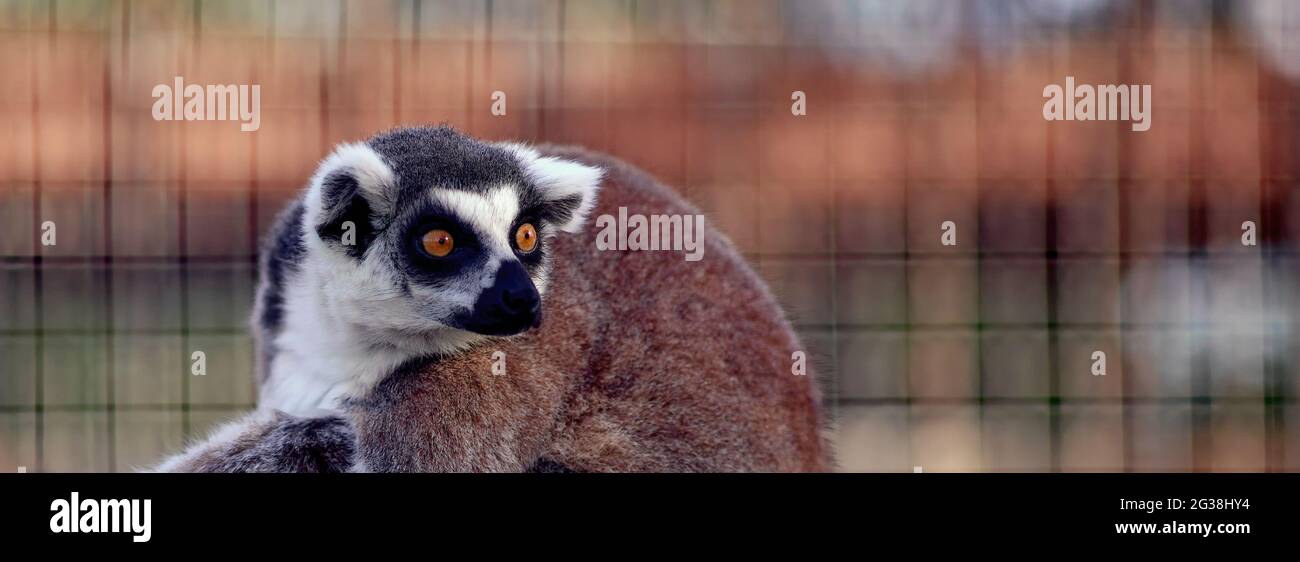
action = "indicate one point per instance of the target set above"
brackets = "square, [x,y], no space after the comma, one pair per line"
[1071,238]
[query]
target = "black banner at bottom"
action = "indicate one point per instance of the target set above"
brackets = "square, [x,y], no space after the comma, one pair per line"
[434,512]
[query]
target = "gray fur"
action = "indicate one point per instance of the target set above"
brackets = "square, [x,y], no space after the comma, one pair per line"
[282,252]
[272,442]
[276,442]
[425,156]
[443,157]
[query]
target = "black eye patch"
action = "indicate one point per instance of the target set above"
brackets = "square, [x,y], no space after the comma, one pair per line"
[419,265]
[534,259]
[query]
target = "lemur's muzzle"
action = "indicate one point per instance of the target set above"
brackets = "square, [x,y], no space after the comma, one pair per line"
[510,306]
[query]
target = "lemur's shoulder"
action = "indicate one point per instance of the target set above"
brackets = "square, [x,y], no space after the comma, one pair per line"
[692,369]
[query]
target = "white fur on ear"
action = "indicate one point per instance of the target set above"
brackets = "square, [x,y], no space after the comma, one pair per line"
[369,169]
[559,178]
[562,179]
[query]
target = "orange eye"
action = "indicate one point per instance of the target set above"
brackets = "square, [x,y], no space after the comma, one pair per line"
[526,238]
[437,242]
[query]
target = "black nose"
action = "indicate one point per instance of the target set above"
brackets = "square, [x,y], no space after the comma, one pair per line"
[520,299]
[510,306]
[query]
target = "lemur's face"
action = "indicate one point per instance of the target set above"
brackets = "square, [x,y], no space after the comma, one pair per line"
[429,233]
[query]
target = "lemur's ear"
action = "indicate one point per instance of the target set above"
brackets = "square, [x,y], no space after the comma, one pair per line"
[347,191]
[568,188]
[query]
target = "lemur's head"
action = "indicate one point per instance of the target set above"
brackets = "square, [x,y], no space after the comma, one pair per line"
[428,235]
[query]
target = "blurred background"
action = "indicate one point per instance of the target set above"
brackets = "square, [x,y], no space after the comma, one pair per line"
[1073,237]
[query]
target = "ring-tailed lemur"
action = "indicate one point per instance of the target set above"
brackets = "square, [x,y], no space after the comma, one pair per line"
[418,241]
[646,362]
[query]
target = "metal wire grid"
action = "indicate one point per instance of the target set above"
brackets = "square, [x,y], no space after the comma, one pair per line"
[97,422]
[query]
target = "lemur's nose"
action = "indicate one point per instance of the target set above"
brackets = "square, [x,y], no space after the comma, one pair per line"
[518,300]
[510,306]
